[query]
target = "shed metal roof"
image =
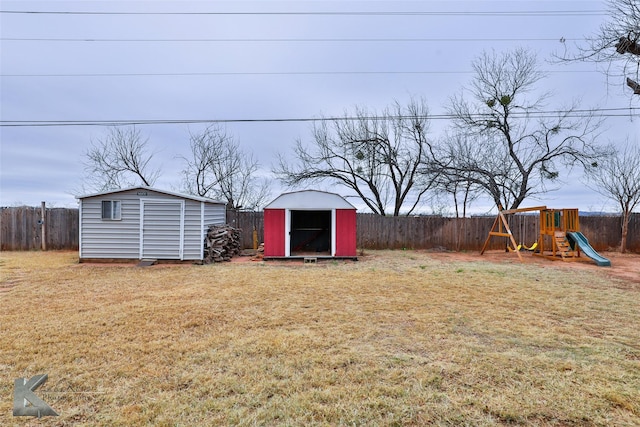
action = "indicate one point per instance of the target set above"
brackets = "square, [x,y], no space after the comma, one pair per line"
[170,193]
[309,199]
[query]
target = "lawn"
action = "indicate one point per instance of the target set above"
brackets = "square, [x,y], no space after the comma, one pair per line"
[398,338]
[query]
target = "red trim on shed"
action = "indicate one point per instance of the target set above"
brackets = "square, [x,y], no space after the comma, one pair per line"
[274,223]
[346,232]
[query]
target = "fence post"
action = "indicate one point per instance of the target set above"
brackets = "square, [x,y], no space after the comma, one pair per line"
[43,226]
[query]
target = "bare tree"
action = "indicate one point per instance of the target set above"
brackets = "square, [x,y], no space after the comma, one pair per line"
[463,192]
[206,148]
[467,161]
[238,183]
[454,156]
[617,177]
[217,167]
[504,141]
[379,157]
[460,186]
[617,41]
[120,159]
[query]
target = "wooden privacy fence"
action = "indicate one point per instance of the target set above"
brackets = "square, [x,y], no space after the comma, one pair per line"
[247,222]
[436,232]
[468,234]
[20,230]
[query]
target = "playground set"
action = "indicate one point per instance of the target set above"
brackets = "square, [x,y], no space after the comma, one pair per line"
[559,238]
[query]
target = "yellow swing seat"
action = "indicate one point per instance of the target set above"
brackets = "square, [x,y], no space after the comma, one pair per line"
[521,247]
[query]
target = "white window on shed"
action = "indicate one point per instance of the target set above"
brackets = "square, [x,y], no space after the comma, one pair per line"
[111,209]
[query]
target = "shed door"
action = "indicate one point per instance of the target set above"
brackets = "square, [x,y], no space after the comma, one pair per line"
[346,232]
[161,229]
[274,231]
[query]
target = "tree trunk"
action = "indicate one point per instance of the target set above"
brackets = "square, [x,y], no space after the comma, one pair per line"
[626,216]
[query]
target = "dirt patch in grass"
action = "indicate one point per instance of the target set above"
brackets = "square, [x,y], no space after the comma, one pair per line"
[397,338]
[623,266]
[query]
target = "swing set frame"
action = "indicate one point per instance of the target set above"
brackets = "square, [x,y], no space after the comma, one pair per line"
[554,224]
[500,227]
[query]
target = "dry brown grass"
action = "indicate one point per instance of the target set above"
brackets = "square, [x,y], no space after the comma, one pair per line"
[398,338]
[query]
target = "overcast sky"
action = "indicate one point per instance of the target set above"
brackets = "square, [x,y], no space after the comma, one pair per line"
[243,62]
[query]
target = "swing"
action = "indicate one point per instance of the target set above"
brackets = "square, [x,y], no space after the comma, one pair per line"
[534,245]
[521,246]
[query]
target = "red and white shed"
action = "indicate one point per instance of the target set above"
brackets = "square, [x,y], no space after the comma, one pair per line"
[309,223]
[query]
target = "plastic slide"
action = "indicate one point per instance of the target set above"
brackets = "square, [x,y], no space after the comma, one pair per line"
[586,248]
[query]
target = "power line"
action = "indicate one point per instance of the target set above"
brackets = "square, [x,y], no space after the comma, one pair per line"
[298,40]
[266,73]
[599,112]
[595,12]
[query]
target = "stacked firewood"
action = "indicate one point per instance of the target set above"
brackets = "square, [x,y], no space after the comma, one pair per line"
[221,243]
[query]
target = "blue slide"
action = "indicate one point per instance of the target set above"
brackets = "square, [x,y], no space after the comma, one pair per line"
[585,247]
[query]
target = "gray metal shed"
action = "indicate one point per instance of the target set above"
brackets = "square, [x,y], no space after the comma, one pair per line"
[146,223]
